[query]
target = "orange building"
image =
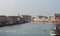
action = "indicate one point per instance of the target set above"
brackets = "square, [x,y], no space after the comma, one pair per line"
[57,18]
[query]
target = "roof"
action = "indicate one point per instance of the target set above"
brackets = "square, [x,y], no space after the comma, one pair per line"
[57,14]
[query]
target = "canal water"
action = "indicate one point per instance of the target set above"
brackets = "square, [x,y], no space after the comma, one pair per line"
[28,29]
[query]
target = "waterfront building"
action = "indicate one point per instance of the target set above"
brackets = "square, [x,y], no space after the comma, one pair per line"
[32,18]
[37,19]
[57,18]
[51,18]
[14,19]
[44,18]
[10,20]
[26,18]
[7,20]
[41,18]
[2,19]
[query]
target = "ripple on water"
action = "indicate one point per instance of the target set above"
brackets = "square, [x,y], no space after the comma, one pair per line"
[27,29]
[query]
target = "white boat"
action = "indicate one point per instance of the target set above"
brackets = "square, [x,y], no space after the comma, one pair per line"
[53,32]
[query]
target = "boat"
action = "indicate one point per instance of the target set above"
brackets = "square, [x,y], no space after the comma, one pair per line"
[53,32]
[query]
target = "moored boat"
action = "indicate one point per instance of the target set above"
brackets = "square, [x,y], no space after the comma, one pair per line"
[53,32]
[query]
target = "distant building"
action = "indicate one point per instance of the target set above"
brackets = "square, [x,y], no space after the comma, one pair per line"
[41,18]
[32,18]
[27,18]
[14,19]
[2,19]
[51,18]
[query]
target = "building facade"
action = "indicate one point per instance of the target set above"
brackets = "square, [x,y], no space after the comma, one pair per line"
[26,18]
[57,18]
[41,18]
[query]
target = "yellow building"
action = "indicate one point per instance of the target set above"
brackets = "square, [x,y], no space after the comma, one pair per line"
[44,18]
[41,18]
[51,18]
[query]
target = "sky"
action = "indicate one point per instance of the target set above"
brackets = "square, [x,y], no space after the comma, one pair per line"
[29,7]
